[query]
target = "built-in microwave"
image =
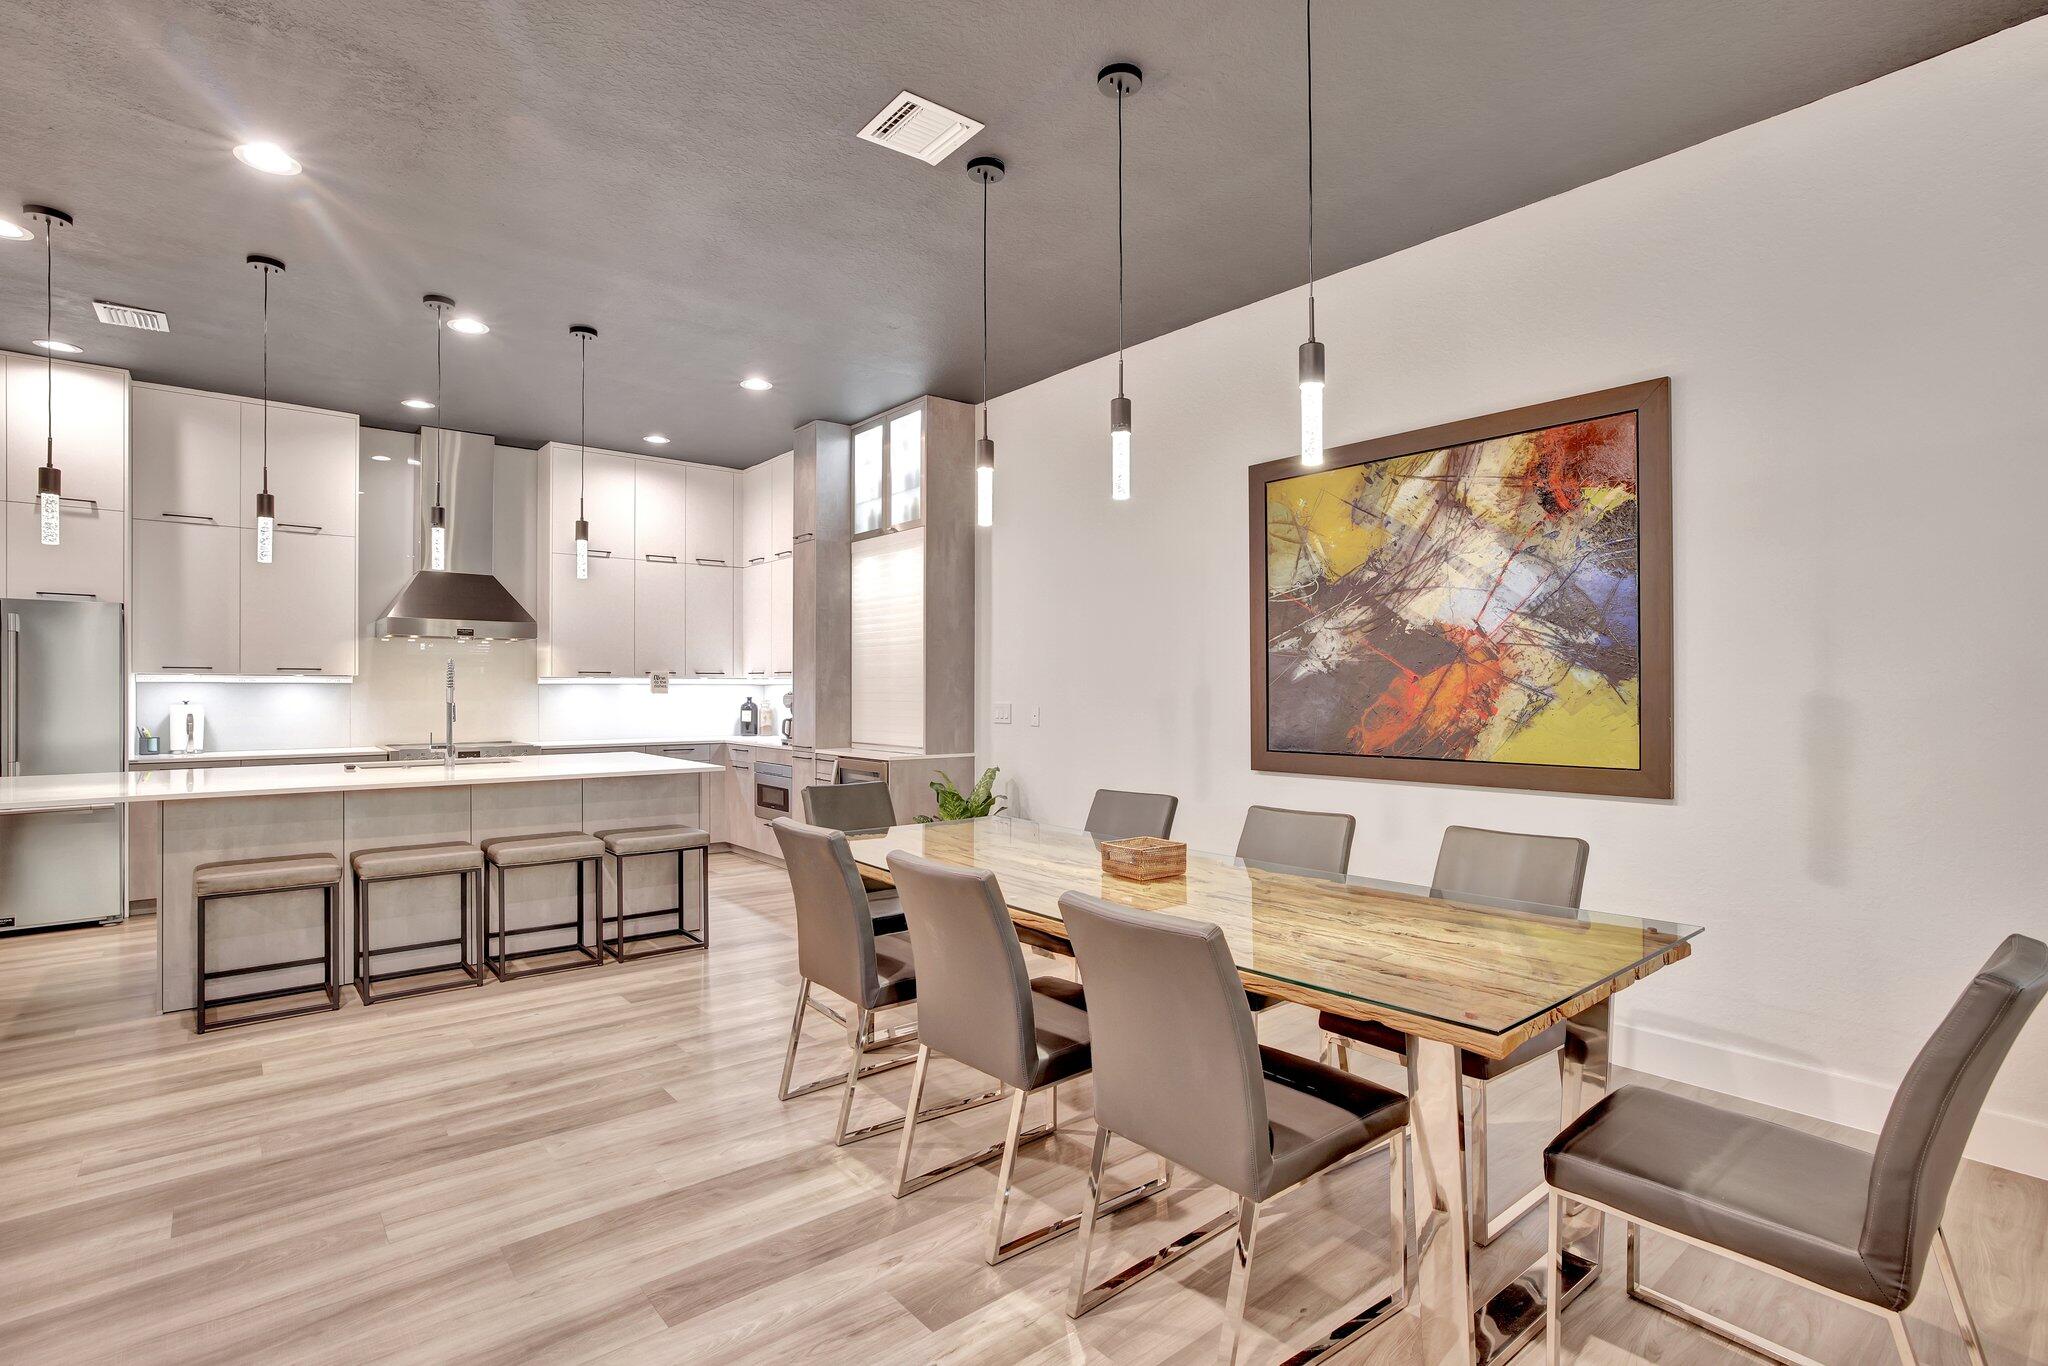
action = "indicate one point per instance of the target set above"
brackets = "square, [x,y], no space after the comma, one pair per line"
[773,784]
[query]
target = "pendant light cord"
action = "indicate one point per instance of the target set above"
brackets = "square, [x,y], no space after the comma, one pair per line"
[49,334]
[1119,241]
[984,309]
[440,325]
[1308,9]
[582,419]
[266,379]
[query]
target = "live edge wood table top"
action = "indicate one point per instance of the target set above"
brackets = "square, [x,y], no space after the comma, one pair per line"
[1485,976]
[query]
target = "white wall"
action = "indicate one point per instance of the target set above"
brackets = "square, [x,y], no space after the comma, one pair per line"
[1849,300]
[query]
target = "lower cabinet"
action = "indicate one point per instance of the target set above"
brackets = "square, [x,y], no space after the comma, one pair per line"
[299,611]
[186,615]
[660,642]
[590,621]
[87,561]
[708,608]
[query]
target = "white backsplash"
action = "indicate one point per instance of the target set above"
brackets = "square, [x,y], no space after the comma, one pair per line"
[631,711]
[271,714]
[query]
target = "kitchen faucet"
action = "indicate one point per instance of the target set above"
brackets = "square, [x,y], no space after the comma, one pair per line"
[449,748]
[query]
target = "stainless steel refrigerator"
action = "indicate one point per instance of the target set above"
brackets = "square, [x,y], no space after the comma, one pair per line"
[62,710]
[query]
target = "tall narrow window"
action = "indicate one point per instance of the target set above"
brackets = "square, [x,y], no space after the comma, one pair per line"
[906,468]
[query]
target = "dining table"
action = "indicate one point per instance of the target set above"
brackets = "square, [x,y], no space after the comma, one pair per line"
[1455,974]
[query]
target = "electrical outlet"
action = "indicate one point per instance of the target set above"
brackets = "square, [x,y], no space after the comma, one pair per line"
[1034,716]
[1002,713]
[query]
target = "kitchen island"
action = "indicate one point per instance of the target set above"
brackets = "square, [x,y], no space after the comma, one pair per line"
[216,814]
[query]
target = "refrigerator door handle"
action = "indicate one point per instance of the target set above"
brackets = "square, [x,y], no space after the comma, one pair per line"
[10,696]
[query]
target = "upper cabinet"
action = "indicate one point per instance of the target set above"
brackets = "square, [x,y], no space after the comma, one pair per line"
[660,511]
[90,405]
[602,483]
[713,494]
[188,586]
[86,563]
[187,455]
[313,460]
[298,611]
[767,509]
[782,503]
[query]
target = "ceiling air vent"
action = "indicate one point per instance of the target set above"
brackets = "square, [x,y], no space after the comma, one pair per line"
[121,315]
[916,127]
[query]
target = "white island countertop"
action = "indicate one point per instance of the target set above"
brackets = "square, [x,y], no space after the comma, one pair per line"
[73,790]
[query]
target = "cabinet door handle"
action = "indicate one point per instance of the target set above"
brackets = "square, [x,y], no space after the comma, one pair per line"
[803,536]
[596,554]
[659,559]
[298,669]
[300,528]
[593,673]
[61,593]
[92,503]
[758,559]
[784,554]
[720,563]
[188,668]
[190,517]
[710,673]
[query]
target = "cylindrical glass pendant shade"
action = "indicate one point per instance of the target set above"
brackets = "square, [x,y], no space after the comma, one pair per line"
[266,527]
[582,549]
[437,539]
[49,503]
[1120,448]
[1311,371]
[984,482]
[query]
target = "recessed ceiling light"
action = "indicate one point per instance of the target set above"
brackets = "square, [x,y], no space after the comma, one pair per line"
[62,348]
[756,383]
[655,439]
[473,327]
[14,232]
[268,157]
[417,402]
[380,459]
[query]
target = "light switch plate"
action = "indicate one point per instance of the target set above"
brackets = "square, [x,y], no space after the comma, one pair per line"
[1034,716]
[1002,713]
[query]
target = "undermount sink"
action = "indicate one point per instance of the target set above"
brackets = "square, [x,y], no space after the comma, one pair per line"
[377,764]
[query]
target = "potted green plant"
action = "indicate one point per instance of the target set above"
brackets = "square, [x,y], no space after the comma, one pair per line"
[955,805]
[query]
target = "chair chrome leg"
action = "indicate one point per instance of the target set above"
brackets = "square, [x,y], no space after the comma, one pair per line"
[826,1083]
[1902,1340]
[1700,1318]
[999,1250]
[1946,1260]
[1553,1322]
[856,1033]
[1240,1279]
[913,1112]
[924,1062]
[796,1026]
[1076,1301]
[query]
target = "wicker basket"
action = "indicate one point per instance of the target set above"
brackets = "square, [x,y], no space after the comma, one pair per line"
[1145,859]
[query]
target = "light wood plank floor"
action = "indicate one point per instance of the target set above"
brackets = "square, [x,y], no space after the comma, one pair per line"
[594,1167]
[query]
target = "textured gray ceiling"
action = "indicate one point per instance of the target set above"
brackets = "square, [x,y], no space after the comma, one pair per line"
[686,178]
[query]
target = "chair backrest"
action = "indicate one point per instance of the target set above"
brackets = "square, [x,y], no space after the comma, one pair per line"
[1115,815]
[856,808]
[973,993]
[1175,1055]
[1921,1144]
[1549,870]
[835,931]
[1317,840]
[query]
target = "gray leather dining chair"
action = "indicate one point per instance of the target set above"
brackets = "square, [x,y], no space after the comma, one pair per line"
[1319,841]
[1179,1071]
[857,809]
[1115,815]
[1857,1226]
[838,949]
[978,1006]
[1544,870]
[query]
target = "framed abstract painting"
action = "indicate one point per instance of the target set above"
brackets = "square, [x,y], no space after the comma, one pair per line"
[1486,603]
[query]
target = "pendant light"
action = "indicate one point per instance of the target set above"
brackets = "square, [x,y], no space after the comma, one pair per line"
[49,479]
[266,504]
[1309,364]
[584,336]
[987,170]
[1119,79]
[437,520]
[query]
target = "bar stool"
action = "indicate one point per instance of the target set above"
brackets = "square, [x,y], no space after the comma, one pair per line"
[213,882]
[544,851]
[649,841]
[407,863]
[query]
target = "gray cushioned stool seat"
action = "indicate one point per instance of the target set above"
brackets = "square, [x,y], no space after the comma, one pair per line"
[1762,1190]
[417,860]
[286,874]
[654,839]
[518,851]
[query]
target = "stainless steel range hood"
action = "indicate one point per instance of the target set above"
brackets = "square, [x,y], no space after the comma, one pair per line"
[465,601]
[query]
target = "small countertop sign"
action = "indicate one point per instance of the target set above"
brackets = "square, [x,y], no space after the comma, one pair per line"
[73,790]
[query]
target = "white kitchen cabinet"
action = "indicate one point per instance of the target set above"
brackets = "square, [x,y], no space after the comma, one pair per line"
[708,608]
[712,496]
[590,621]
[660,641]
[607,484]
[298,611]
[185,616]
[187,455]
[314,457]
[87,561]
[757,517]
[91,408]
[782,504]
[754,622]
[661,510]
[781,616]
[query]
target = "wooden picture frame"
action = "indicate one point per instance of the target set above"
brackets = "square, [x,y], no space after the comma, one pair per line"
[1650,404]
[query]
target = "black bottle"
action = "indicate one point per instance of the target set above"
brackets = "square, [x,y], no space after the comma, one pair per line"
[750,718]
